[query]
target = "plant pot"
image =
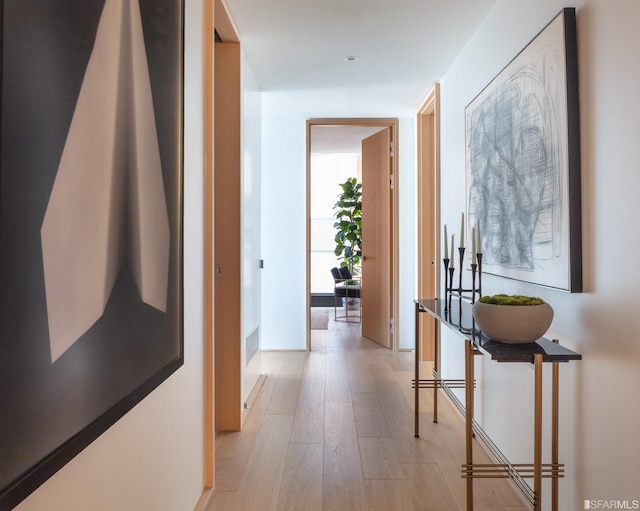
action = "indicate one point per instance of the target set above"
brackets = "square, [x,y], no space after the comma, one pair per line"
[513,324]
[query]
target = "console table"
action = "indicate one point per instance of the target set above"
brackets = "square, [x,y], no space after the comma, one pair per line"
[459,319]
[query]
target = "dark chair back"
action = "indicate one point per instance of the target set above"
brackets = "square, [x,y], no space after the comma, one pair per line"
[341,273]
[345,273]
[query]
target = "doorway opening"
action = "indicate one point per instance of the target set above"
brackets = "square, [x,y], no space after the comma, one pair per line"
[334,153]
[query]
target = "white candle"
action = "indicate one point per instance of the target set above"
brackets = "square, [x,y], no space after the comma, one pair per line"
[452,265]
[473,245]
[462,232]
[479,244]
[446,247]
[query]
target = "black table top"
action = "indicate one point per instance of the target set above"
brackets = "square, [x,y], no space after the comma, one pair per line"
[459,318]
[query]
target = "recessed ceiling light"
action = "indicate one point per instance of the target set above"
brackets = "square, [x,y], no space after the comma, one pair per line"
[351,58]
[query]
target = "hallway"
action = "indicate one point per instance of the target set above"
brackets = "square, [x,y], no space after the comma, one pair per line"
[332,430]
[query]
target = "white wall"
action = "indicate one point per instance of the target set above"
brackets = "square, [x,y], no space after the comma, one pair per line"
[283,225]
[151,459]
[600,411]
[408,182]
[284,117]
[251,239]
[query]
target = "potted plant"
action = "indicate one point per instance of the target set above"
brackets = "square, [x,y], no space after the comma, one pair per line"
[514,319]
[348,214]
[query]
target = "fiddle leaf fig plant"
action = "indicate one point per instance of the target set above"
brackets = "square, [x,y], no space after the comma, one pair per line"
[348,214]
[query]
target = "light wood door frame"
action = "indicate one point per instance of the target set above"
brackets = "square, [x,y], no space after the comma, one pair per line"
[393,125]
[209,361]
[215,18]
[428,138]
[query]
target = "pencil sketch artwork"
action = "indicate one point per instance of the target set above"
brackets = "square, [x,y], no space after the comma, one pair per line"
[517,167]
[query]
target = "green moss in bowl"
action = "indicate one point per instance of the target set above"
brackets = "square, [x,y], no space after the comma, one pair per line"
[503,299]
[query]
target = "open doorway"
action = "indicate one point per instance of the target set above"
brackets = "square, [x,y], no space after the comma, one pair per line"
[334,153]
[336,156]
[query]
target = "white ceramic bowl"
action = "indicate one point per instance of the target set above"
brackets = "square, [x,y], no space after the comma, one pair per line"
[514,324]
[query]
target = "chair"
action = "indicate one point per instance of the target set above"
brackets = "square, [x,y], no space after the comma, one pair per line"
[346,287]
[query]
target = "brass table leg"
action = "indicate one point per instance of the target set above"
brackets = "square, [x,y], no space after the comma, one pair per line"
[554,431]
[416,392]
[537,435]
[468,362]
[436,366]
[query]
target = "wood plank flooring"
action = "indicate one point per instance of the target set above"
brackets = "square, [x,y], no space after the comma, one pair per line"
[332,430]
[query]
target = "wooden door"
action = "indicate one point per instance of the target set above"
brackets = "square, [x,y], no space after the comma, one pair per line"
[227,247]
[376,236]
[429,264]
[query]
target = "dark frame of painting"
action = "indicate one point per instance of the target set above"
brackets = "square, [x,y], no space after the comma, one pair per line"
[523,163]
[51,408]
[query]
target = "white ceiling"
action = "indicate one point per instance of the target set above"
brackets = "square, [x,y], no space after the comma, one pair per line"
[339,139]
[403,45]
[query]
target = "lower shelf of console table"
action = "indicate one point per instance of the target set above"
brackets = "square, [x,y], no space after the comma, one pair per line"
[458,318]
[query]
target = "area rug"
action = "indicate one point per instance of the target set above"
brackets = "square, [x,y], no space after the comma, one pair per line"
[319,319]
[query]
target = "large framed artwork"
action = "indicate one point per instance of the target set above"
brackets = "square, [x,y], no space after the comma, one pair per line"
[90,223]
[523,163]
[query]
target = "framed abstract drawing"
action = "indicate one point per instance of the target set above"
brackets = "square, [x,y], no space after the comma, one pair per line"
[523,163]
[91,300]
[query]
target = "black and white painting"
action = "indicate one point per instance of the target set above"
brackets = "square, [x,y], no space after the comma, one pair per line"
[90,223]
[523,168]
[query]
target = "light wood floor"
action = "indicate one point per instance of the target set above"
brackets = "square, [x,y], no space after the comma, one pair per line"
[332,430]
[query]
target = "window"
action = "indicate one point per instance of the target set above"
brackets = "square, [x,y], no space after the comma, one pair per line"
[327,172]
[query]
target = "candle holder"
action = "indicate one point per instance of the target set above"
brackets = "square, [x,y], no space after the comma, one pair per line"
[479,262]
[447,292]
[445,261]
[460,292]
[461,265]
